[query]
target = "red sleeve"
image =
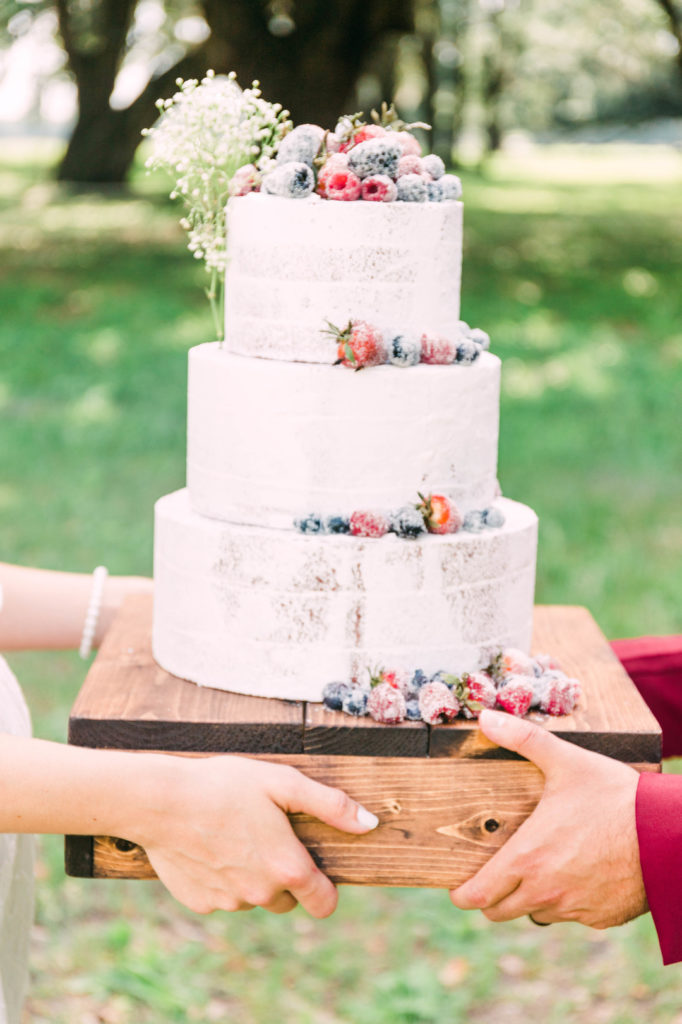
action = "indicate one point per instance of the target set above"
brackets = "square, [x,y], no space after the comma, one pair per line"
[659,831]
[654,663]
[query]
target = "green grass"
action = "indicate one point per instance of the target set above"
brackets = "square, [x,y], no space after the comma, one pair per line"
[573,263]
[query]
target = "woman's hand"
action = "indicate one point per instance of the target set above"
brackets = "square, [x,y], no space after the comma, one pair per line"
[220,838]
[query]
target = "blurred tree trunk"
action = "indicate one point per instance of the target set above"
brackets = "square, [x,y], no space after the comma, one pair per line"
[673,13]
[311,69]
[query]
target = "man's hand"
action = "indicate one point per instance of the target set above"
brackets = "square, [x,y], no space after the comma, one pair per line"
[576,857]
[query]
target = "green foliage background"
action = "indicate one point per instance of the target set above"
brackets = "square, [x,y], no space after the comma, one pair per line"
[573,263]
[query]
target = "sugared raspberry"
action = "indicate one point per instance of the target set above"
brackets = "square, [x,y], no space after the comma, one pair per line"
[366,523]
[358,344]
[441,515]
[386,704]
[333,164]
[438,350]
[343,186]
[409,164]
[379,188]
[399,679]
[437,703]
[244,180]
[515,695]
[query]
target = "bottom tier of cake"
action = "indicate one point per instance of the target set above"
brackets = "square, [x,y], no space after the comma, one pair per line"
[275,613]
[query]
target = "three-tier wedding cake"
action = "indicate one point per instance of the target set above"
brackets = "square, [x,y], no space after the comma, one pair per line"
[268,579]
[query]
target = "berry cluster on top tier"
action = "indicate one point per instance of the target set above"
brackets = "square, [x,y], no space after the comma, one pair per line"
[379,163]
[361,344]
[513,682]
[435,513]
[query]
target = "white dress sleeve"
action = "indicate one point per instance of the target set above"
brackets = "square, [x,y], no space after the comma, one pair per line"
[16,870]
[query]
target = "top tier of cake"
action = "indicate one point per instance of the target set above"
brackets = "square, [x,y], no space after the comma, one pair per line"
[293,265]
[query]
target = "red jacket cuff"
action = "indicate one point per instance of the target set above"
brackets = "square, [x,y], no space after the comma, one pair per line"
[659,832]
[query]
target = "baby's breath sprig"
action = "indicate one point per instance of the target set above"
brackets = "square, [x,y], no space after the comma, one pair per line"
[204,134]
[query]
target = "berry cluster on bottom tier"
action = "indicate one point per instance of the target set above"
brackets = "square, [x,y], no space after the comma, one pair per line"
[513,682]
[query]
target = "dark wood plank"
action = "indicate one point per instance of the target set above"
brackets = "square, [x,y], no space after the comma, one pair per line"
[611,717]
[440,820]
[130,702]
[333,732]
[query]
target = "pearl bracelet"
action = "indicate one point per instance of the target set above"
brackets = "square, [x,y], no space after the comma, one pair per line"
[99,578]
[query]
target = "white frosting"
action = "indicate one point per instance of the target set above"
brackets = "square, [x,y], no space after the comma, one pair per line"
[295,263]
[278,614]
[271,441]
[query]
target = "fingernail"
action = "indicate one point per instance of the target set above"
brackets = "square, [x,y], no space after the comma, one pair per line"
[366,818]
[496,718]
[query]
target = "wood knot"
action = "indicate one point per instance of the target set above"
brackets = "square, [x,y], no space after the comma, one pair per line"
[124,845]
[491,825]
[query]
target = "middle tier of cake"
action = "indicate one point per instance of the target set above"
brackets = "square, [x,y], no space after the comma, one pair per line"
[269,441]
[275,613]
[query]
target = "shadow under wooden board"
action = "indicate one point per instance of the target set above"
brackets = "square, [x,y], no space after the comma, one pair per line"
[446,797]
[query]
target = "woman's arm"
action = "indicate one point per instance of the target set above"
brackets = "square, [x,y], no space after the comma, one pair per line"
[214,828]
[43,609]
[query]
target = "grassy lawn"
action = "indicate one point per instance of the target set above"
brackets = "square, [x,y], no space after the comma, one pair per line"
[574,264]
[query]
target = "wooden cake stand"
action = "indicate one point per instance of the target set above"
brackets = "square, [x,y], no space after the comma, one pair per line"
[446,797]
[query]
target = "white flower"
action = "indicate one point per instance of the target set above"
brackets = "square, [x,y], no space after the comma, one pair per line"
[204,134]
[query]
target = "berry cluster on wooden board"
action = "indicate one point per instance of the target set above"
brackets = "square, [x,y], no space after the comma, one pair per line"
[514,682]
[379,162]
[361,344]
[434,513]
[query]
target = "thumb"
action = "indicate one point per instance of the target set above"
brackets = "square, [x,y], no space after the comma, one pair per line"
[331,805]
[533,742]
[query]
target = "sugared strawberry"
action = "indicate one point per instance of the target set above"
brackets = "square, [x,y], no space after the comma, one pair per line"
[338,162]
[244,180]
[343,186]
[366,523]
[515,695]
[379,188]
[441,515]
[362,134]
[437,703]
[359,344]
[547,663]
[476,691]
[409,164]
[516,662]
[438,350]
[560,695]
[399,679]
[386,704]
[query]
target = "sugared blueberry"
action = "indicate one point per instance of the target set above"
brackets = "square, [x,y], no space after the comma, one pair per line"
[468,352]
[407,522]
[433,165]
[412,711]
[451,186]
[404,349]
[355,701]
[434,192]
[312,523]
[333,694]
[480,336]
[301,144]
[375,156]
[493,517]
[473,521]
[337,524]
[292,180]
[412,189]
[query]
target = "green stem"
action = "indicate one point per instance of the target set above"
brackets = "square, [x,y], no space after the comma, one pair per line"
[214,295]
